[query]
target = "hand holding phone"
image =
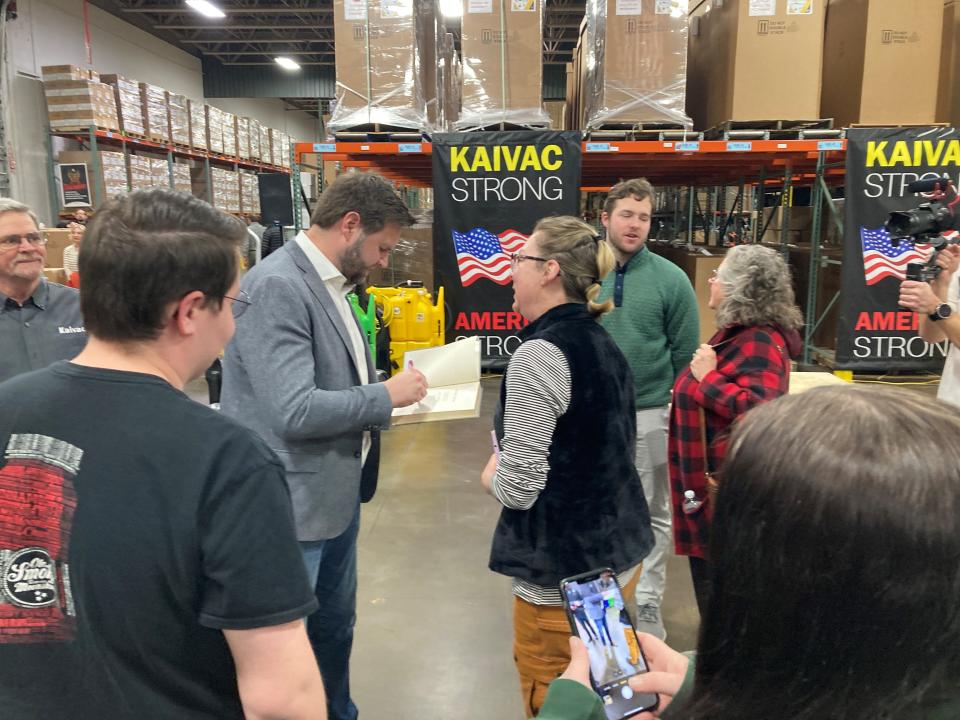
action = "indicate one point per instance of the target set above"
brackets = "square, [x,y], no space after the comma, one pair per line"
[598,616]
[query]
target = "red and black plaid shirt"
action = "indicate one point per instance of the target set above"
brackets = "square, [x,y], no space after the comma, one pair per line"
[753,366]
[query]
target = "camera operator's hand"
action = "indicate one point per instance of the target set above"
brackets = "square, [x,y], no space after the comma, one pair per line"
[918,296]
[948,260]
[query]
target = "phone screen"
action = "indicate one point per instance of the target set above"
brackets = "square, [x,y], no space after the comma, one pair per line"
[598,614]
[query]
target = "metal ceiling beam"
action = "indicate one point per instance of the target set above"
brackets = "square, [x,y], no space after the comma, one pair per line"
[301,26]
[329,64]
[231,53]
[266,41]
[229,10]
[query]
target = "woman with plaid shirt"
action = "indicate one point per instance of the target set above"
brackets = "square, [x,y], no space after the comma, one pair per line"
[747,362]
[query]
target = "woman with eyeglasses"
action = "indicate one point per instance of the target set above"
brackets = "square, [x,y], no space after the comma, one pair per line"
[747,362]
[565,430]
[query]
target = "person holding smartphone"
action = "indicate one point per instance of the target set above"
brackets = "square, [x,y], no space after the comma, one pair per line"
[828,599]
[566,427]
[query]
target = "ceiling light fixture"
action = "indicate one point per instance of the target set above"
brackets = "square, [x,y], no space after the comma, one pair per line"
[451,8]
[287,64]
[207,9]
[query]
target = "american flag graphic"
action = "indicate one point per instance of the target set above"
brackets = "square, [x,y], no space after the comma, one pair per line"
[481,254]
[882,260]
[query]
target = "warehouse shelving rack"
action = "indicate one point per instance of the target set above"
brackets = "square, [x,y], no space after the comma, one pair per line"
[94,137]
[761,166]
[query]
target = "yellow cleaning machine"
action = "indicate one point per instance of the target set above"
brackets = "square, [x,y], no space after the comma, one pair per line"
[415,322]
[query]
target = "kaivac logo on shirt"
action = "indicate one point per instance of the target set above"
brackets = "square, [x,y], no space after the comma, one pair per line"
[70,330]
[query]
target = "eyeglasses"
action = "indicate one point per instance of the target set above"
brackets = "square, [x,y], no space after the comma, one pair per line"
[240,303]
[13,241]
[516,258]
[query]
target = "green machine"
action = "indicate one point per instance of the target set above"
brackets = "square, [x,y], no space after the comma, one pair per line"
[368,320]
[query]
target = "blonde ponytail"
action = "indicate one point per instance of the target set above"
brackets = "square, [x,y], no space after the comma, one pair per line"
[584,259]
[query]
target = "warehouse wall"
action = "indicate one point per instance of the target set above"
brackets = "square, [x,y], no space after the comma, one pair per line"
[297,124]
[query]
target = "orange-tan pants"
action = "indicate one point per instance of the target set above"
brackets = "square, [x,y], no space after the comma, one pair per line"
[541,646]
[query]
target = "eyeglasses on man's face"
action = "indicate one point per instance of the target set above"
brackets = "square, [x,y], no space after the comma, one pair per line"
[517,257]
[11,242]
[240,303]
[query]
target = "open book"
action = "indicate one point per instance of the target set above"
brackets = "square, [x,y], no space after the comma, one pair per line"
[453,381]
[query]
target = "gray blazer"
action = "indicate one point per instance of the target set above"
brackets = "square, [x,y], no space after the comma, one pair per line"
[289,374]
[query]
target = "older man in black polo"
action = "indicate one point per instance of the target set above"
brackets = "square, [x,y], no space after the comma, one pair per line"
[40,321]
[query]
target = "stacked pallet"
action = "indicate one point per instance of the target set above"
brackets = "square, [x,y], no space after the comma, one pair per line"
[256,154]
[249,194]
[266,145]
[179,118]
[78,104]
[243,138]
[140,173]
[229,134]
[215,120]
[226,190]
[181,177]
[129,107]
[159,173]
[156,125]
[198,124]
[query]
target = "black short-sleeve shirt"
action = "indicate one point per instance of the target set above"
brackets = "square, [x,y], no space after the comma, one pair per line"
[135,525]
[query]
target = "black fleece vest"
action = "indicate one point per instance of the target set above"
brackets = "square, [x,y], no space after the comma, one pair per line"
[592,512]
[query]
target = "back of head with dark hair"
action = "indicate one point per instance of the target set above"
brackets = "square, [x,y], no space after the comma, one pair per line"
[146,250]
[638,188]
[836,551]
[368,195]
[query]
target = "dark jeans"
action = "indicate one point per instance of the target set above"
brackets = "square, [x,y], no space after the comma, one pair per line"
[602,628]
[700,572]
[332,569]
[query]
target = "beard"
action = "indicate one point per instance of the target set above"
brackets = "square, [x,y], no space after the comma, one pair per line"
[351,262]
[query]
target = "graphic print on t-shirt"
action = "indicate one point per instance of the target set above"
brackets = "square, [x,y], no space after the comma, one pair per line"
[37,505]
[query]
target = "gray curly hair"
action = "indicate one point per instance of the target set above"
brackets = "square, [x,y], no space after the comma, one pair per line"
[758,288]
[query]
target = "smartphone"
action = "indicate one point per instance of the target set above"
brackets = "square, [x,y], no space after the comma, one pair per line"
[598,616]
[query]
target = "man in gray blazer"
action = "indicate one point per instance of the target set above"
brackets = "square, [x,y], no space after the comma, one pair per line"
[299,372]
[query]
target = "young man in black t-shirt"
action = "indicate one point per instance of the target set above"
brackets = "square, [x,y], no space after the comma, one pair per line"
[148,563]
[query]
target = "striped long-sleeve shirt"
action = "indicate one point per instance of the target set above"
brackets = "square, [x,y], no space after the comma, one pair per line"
[539,387]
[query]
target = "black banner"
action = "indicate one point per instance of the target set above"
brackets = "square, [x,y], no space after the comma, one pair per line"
[874,334]
[490,189]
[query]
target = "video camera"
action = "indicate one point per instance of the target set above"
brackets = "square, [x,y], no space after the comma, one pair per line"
[926,224]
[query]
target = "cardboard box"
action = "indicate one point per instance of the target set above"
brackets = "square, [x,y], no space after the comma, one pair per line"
[637,62]
[179,118]
[198,124]
[948,96]
[502,48]
[760,66]
[78,104]
[153,106]
[249,193]
[801,218]
[181,177]
[557,111]
[141,172]
[57,240]
[68,72]
[56,274]
[266,145]
[256,153]
[114,174]
[215,121]
[243,138]
[380,63]
[881,61]
[229,134]
[129,105]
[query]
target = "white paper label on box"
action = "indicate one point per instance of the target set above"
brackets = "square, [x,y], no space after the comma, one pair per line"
[799,7]
[354,10]
[392,9]
[475,7]
[663,7]
[523,5]
[629,7]
[763,8]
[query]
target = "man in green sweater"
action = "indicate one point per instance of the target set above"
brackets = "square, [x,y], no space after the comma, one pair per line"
[656,325]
